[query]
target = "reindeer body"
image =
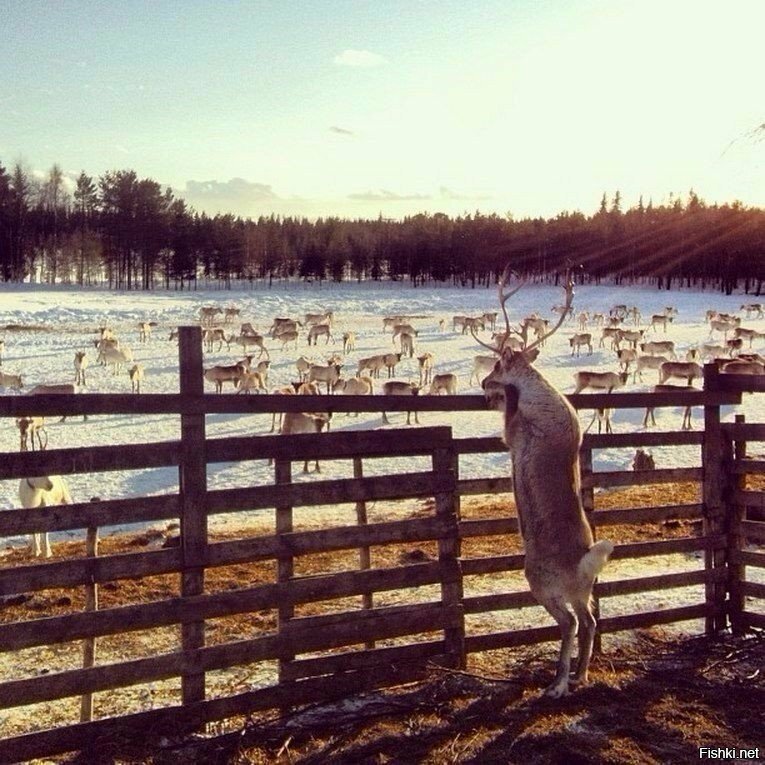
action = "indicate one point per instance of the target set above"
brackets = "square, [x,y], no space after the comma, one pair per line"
[542,432]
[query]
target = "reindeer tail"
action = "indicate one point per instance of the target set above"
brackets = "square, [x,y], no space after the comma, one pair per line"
[594,559]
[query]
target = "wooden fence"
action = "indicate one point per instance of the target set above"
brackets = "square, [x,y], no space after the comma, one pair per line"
[375,621]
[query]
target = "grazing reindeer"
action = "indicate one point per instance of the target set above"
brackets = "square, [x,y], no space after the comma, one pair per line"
[542,432]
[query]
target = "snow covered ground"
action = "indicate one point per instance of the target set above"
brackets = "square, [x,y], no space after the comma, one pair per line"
[43,327]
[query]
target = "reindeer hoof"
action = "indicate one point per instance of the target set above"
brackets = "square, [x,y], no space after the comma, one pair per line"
[557,690]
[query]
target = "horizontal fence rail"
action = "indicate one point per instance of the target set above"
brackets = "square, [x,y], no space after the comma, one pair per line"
[350,623]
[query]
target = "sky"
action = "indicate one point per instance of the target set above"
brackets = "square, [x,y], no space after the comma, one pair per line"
[360,108]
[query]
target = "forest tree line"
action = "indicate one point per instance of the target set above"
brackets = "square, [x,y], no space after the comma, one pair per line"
[131,233]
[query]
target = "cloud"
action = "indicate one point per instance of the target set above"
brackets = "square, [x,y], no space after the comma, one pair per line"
[236,188]
[383,195]
[341,130]
[446,193]
[237,196]
[359,58]
[122,149]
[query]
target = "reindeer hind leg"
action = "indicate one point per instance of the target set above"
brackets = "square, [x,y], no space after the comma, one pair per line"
[567,621]
[586,640]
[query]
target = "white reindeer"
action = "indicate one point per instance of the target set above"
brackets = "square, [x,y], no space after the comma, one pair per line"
[43,491]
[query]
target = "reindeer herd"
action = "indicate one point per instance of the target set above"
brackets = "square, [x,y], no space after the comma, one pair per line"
[541,429]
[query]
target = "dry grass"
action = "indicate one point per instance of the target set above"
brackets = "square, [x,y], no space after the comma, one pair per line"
[652,700]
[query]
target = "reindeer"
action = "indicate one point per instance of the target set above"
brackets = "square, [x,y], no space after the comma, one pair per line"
[542,432]
[662,388]
[578,340]
[80,365]
[425,362]
[397,388]
[349,342]
[320,330]
[29,428]
[136,374]
[754,308]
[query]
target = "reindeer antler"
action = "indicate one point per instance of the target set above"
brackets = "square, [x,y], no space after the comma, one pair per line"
[503,298]
[569,300]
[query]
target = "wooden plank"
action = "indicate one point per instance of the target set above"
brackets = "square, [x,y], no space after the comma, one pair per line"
[328,492]
[492,565]
[83,515]
[715,456]
[605,479]
[192,477]
[753,620]
[754,499]
[230,403]
[69,573]
[736,540]
[642,400]
[653,618]
[752,530]
[310,634]
[510,639]
[749,558]
[658,582]
[667,547]
[337,445]
[641,439]
[36,745]
[641,515]
[479,604]
[59,629]
[471,486]
[89,644]
[744,466]
[285,565]
[753,590]
[326,540]
[88,459]
[315,633]
[449,552]
[514,638]
[750,431]
[742,383]
[365,556]
[488,527]
[370,658]
[479,445]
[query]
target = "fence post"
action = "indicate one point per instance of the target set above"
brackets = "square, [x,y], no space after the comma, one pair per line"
[736,511]
[193,491]
[285,562]
[89,644]
[712,500]
[587,493]
[449,551]
[365,560]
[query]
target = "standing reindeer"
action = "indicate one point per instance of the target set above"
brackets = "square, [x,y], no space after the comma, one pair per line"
[542,432]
